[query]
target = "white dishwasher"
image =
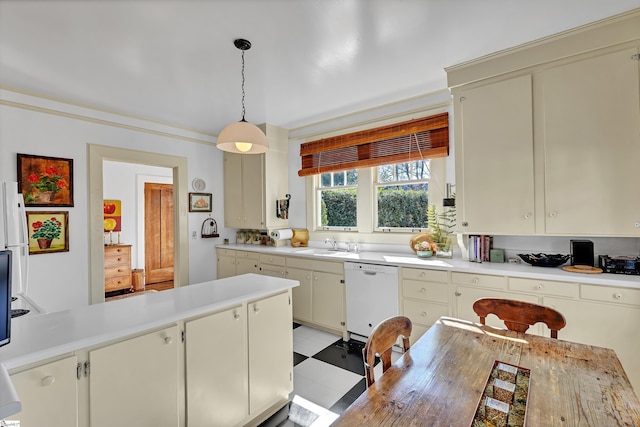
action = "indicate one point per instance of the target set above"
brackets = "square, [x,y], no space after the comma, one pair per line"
[372,296]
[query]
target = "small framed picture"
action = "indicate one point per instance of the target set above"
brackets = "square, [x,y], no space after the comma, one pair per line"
[45,181]
[200,202]
[48,231]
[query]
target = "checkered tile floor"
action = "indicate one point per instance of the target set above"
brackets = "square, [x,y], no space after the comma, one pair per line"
[328,376]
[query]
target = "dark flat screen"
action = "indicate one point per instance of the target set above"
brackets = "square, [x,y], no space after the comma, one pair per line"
[5,297]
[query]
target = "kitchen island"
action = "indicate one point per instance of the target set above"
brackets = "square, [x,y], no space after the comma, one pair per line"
[158,358]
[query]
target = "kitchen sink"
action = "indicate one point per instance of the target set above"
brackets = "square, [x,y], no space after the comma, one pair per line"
[327,253]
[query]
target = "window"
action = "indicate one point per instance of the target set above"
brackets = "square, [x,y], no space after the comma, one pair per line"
[337,200]
[402,195]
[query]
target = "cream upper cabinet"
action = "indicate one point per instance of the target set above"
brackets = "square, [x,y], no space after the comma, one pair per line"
[253,183]
[494,157]
[591,134]
[49,394]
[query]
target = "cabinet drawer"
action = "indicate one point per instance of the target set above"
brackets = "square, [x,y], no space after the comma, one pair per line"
[610,294]
[424,313]
[272,259]
[226,252]
[117,271]
[114,250]
[248,255]
[116,261]
[545,287]
[114,283]
[306,264]
[424,274]
[427,291]
[484,280]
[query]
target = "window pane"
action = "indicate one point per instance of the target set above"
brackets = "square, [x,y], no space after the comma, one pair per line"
[403,205]
[338,208]
[325,180]
[338,179]
[352,177]
[421,169]
[403,171]
[385,173]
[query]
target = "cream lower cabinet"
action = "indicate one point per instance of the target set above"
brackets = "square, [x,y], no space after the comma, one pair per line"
[136,381]
[424,298]
[49,394]
[233,263]
[217,379]
[605,316]
[322,297]
[272,265]
[270,352]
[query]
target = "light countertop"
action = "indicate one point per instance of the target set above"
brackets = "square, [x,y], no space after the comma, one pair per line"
[37,338]
[409,259]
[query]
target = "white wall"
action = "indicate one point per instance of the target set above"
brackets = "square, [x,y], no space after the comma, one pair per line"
[34,126]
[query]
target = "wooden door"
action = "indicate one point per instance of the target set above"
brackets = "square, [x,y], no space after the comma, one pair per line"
[158,240]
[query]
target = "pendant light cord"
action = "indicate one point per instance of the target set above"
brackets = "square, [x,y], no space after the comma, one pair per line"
[243,109]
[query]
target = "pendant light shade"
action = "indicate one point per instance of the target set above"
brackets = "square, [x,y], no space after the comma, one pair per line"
[242,137]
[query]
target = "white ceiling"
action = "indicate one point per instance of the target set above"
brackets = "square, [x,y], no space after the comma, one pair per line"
[311,60]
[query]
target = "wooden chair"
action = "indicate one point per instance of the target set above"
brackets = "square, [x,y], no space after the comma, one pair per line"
[381,341]
[519,315]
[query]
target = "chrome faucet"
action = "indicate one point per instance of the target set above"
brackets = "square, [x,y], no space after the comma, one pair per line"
[332,242]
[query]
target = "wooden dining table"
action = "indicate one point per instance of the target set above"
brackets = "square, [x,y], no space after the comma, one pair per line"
[440,381]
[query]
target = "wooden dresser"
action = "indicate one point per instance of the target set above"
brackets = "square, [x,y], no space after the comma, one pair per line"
[117,267]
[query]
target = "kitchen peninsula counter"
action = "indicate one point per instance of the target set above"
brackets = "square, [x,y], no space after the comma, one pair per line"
[409,259]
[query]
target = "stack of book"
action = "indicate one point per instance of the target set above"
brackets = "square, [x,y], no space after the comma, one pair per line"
[479,248]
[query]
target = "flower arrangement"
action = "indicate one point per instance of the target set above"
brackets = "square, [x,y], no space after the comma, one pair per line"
[425,245]
[49,229]
[50,180]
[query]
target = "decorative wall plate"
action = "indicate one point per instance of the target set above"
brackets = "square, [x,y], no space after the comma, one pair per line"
[198,184]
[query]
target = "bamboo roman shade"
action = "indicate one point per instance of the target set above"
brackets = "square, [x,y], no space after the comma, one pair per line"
[418,139]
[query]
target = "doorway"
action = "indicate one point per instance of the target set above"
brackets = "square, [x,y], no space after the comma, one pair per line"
[158,235]
[97,155]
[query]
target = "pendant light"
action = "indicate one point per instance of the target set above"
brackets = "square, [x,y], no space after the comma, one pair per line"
[242,137]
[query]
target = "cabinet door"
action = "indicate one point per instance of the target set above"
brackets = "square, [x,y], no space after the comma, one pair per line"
[328,300]
[494,158]
[226,266]
[136,380]
[253,191]
[246,265]
[217,378]
[603,325]
[270,351]
[233,211]
[49,394]
[301,294]
[466,296]
[592,146]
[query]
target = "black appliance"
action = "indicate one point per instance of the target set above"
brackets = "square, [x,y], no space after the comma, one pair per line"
[582,252]
[619,264]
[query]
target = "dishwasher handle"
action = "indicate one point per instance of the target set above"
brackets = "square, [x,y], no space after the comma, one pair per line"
[370,273]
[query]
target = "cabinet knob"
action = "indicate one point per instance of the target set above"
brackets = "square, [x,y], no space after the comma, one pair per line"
[236,316]
[423,314]
[475,280]
[423,290]
[422,274]
[527,215]
[48,380]
[553,214]
[539,287]
[255,308]
[458,293]
[617,295]
[168,340]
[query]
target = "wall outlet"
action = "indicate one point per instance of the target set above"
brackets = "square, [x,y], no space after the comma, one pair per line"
[194,234]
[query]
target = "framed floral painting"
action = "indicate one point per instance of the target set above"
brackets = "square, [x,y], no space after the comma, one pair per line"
[48,231]
[45,181]
[200,202]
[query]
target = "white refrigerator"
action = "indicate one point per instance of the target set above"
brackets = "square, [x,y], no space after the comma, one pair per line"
[14,236]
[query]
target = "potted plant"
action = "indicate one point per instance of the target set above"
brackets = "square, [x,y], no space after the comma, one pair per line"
[47,184]
[442,226]
[45,232]
[425,248]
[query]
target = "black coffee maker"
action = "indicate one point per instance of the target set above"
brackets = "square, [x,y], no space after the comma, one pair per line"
[582,252]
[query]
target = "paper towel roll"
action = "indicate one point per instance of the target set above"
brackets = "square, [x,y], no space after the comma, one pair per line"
[284,234]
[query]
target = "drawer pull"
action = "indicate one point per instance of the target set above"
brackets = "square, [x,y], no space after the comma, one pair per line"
[617,295]
[236,316]
[48,380]
[168,340]
[422,274]
[458,293]
[423,290]
[539,287]
[423,314]
[475,280]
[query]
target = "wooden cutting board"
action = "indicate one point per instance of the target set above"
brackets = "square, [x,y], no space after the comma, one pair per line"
[587,269]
